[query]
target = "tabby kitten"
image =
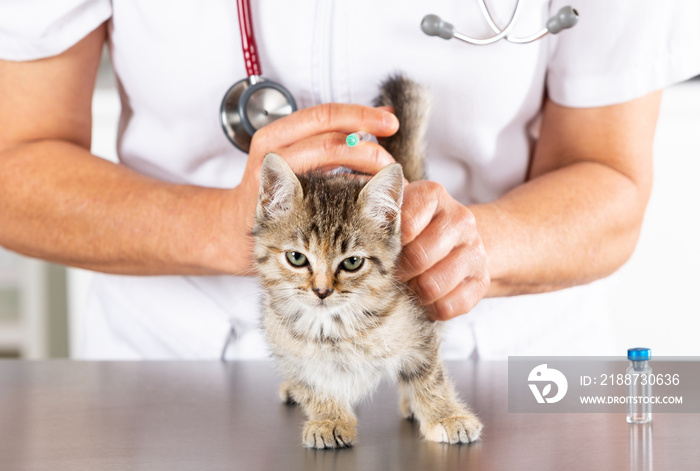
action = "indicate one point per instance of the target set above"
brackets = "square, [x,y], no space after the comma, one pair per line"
[335,317]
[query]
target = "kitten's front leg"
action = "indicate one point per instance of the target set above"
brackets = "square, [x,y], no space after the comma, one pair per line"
[331,423]
[285,393]
[405,398]
[431,398]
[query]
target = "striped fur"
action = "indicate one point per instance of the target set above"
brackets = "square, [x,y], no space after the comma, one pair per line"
[335,332]
[412,107]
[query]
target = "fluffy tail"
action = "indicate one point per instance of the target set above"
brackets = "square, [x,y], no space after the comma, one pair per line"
[411,105]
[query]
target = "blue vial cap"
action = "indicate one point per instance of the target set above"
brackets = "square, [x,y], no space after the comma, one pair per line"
[639,354]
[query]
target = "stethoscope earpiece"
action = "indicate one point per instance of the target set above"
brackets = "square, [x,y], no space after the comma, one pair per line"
[566,18]
[433,25]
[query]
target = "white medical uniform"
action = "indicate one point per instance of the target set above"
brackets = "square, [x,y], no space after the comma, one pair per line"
[175,60]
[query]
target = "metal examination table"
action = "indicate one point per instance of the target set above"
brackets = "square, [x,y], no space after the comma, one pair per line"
[98,416]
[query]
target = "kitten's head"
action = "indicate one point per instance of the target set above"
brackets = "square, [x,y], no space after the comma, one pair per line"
[327,244]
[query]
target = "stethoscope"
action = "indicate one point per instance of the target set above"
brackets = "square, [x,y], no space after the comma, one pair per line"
[566,17]
[254,102]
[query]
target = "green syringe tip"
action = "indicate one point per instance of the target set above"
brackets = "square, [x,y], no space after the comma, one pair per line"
[352,140]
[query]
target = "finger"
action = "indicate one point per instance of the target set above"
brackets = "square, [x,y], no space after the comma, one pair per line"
[445,275]
[329,117]
[421,202]
[460,300]
[433,244]
[327,151]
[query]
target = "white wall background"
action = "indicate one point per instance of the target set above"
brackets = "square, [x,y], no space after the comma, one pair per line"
[657,300]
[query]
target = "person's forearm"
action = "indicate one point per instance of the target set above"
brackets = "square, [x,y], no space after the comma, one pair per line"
[60,203]
[567,227]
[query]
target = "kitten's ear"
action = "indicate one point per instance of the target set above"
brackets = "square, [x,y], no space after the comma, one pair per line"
[279,187]
[382,196]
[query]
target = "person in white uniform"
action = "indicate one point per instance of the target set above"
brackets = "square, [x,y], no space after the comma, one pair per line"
[539,159]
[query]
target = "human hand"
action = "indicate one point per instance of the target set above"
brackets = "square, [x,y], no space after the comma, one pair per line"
[443,261]
[315,138]
[312,138]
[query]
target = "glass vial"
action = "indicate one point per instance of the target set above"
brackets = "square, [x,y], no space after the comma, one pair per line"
[639,386]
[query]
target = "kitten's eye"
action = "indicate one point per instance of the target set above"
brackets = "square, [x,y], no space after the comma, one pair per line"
[297,259]
[352,263]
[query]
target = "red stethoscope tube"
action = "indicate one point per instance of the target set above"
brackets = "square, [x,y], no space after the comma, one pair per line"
[248,44]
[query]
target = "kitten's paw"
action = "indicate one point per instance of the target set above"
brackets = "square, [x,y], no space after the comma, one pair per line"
[406,410]
[285,394]
[456,429]
[328,434]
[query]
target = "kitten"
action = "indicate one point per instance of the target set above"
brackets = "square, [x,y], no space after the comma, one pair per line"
[335,317]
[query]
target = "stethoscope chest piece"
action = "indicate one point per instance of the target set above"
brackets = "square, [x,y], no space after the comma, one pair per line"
[264,102]
[251,104]
[230,119]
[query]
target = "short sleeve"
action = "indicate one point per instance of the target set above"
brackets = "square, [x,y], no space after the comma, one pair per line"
[623,49]
[34,29]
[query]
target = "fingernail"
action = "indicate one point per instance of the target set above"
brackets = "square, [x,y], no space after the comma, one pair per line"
[390,121]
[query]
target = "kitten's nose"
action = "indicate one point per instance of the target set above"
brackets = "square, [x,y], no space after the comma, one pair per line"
[323,293]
